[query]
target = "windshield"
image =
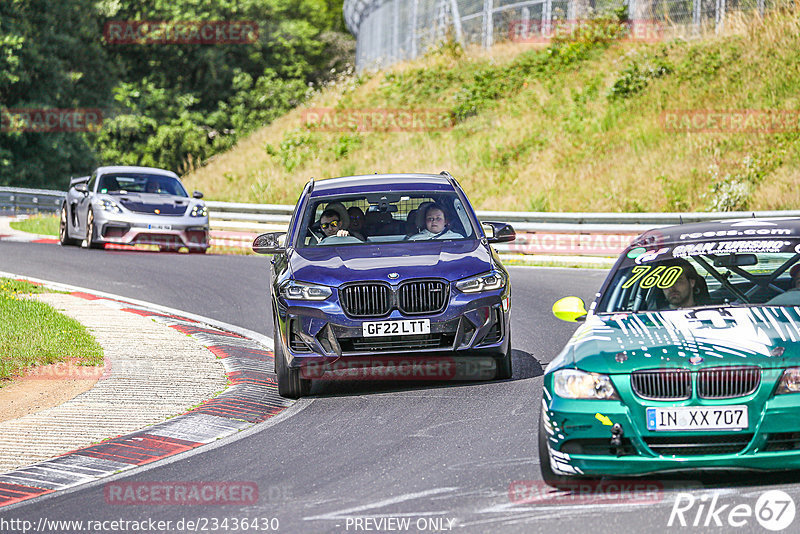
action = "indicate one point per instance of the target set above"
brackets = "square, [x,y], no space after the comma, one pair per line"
[122,183]
[751,273]
[385,218]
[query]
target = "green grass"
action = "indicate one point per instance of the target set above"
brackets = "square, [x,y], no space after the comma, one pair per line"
[39,224]
[33,333]
[571,127]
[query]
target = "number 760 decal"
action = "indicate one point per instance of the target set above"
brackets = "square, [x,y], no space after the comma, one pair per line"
[648,276]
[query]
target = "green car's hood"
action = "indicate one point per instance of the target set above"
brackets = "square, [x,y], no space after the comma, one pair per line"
[695,338]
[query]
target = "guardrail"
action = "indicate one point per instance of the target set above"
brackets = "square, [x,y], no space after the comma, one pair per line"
[236,223]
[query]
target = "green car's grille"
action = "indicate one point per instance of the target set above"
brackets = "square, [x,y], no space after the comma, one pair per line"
[711,383]
[662,384]
[695,445]
[727,382]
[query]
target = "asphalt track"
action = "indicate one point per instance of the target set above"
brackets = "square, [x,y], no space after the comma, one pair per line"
[384,451]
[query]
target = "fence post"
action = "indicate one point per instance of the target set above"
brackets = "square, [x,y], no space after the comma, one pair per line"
[396,30]
[457,21]
[414,6]
[488,24]
[696,15]
[547,16]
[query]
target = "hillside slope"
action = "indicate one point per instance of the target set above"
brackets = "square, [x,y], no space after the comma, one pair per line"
[586,124]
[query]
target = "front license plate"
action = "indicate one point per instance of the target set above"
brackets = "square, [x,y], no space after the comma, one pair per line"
[159,227]
[697,418]
[396,328]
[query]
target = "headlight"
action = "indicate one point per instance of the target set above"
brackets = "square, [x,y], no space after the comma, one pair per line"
[199,210]
[302,291]
[575,384]
[490,281]
[790,381]
[110,205]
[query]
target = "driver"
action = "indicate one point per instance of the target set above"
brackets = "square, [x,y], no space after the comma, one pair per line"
[331,224]
[437,225]
[792,296]
[689,289]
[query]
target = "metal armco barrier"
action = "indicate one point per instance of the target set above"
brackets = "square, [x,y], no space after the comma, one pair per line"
[603,234]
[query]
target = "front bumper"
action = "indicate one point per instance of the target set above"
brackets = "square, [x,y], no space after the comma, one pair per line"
[579,432]
[315,333]
[143,229]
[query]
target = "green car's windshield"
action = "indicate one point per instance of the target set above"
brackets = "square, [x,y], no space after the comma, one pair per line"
[750,275]
[389,217]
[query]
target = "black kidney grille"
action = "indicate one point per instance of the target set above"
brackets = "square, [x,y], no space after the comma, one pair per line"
[727,382]
[366,300]
[422,296]
[671,384]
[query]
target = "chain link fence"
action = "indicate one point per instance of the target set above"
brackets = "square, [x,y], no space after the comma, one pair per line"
[389,31]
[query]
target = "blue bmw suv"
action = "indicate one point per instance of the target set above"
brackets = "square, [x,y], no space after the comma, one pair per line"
[387,276]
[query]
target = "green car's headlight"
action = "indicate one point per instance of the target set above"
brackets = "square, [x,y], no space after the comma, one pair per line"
[490,281]
[576,384]
[790,381]
[303,291]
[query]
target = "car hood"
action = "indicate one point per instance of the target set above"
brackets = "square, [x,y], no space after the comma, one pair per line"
[335,265]
[148,203]
[707,337]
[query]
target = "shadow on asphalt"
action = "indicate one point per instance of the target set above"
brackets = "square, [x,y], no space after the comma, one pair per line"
[523,363]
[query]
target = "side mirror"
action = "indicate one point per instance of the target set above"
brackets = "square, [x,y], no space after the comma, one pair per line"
[82,187]
[270,243]
[197,194]
[571,309]
[498,232]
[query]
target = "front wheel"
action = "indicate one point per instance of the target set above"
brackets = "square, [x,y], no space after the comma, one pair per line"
[63,230]
[290,383]
[91,232]
[504,370]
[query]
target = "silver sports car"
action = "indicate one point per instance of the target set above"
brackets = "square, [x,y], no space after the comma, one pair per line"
[132,206]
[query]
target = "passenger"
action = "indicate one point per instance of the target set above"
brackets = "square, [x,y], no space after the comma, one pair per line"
[356,222]
[152,187]
[689,290]
[437,225]
[792,296]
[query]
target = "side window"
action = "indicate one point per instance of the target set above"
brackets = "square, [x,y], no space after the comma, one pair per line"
[92,181]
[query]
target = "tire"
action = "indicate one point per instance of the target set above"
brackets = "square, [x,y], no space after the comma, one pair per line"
[550,477]
[197,250]
[290,384]
[504,371]
[63,230]
[91,234]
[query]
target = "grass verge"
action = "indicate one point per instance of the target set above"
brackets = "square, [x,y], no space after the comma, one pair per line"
[33,333]
[38,224]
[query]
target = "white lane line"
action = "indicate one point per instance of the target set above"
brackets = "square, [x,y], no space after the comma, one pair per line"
[343,514]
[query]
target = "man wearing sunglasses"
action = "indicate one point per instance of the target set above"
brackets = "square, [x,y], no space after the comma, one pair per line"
[331,225]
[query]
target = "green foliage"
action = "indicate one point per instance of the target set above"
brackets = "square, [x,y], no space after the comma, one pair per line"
[40,224]
[636,76]
[732,191]
[297,147]
[166,105]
